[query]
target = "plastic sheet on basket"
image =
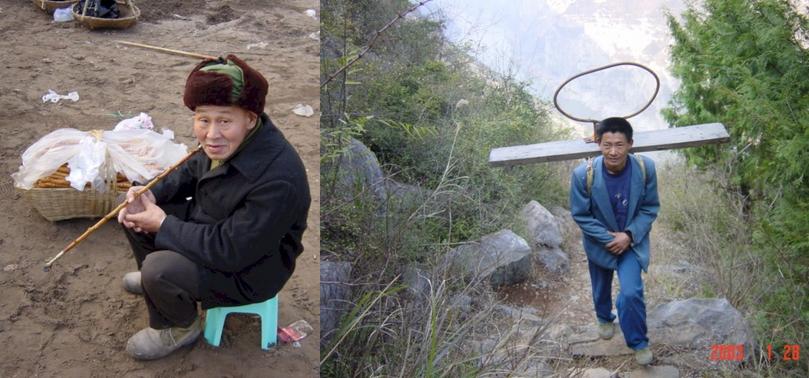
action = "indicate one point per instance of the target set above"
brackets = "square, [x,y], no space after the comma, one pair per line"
[139,154]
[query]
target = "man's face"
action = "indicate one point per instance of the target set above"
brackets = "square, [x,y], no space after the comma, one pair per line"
[221,129]
[615,147]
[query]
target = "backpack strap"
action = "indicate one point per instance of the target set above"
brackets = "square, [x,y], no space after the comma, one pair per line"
[590,174]
[642,164]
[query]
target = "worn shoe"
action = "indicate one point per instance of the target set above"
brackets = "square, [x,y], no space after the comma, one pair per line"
[606,330]
[132,283]
[643,356]
[151,344]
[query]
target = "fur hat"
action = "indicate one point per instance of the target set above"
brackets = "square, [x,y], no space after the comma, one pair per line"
[212,87]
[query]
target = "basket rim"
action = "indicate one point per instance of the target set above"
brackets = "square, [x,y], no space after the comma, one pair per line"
[65,2]
[79,17]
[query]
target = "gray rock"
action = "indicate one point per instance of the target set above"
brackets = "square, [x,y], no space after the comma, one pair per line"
[588,344]
[699,323]
[594,373]
[403,198]
[357,170]
[570,230]
[534,370]
[662,371]
[541,226]
[554,259]
[405,192]
[502,258]
[690,326]
[417,281]
[483,347]
[559,332]
[528,314]
[334,294]
[461,302]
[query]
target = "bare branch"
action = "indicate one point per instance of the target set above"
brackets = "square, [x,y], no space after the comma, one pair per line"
[373,40]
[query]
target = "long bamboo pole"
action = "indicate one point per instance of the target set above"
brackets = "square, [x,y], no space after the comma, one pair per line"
[115,211]
[165,50]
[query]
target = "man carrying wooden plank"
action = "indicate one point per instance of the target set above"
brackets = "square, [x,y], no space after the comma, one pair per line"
[613,199]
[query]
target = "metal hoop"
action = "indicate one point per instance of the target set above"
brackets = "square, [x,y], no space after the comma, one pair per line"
[556,94]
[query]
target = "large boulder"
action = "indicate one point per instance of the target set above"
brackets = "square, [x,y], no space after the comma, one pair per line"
[545,237]
[334,294]
[699,323]
[357,170]
[541,226]
[570,229]
[502,258]
[689,327]
[417,281]
[554,259]
[403,199]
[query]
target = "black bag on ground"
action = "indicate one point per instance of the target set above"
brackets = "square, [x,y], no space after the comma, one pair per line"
[99,8]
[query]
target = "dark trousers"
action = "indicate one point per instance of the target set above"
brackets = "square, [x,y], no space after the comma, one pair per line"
[170,282]
[630,304]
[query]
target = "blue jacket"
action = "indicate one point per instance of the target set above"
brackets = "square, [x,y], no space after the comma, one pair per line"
[594,214]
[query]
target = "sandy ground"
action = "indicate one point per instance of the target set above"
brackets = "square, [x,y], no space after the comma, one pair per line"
[74,321]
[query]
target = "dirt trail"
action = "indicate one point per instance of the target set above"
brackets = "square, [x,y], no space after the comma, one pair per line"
[568,297]
[75,320]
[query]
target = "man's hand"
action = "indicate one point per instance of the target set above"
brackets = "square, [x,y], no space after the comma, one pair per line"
[620,244]
[136,206]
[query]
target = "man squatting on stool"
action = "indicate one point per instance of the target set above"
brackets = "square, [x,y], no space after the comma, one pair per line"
[236,239]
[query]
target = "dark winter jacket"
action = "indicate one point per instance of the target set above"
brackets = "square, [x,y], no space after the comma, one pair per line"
[245,219]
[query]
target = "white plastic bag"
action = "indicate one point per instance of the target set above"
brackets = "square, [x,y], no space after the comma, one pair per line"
[141,121]
[143,154]
[63,14]
[54,97]
[303,110]
[85,166]
[139,154]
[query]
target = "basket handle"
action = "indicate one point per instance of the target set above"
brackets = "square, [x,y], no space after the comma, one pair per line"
[84,10]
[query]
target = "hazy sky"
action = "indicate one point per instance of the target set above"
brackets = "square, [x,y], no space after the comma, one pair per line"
[545,42]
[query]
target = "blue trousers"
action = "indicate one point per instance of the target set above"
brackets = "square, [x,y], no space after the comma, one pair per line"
[631,308]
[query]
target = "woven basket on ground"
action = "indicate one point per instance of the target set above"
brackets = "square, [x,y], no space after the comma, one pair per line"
[129,14]
[66,203]
[50,6]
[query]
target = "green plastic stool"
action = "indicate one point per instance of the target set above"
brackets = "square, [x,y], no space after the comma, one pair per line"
[267,310]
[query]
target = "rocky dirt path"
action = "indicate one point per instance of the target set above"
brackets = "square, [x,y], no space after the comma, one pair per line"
[565,300]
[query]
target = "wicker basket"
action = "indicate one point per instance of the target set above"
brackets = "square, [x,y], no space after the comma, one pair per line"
[67,203]
[61,204]
[129,14]
[50,6]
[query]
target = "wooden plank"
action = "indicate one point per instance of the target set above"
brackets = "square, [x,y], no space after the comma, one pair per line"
[655,140]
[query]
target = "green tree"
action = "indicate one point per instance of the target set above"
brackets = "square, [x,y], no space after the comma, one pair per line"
[741,63]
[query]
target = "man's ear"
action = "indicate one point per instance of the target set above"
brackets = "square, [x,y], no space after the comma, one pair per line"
[252,117]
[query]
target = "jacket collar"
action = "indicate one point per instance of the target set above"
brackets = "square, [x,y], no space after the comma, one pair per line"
[600,195]
[636,185]
[257,155]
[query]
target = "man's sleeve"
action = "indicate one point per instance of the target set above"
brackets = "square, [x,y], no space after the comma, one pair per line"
[581,211]
[179,184]
[240,240]
[648,207]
